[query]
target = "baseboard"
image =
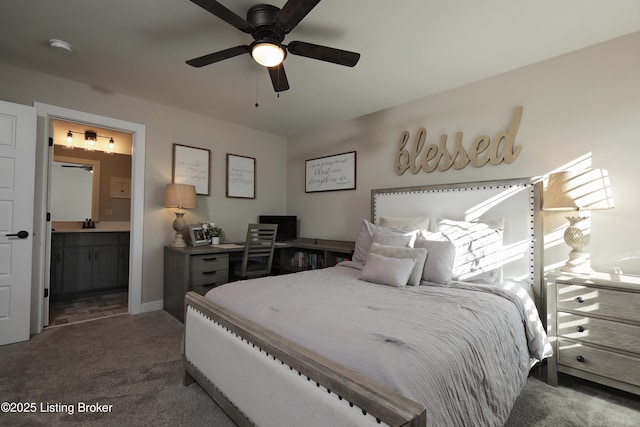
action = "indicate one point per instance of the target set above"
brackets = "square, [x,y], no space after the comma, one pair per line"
[146,307]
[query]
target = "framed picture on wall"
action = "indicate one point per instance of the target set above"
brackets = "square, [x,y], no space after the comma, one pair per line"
[331,173]
[241,177]
[120,188]
[192,165]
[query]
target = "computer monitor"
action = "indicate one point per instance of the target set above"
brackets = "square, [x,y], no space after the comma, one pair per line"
[287,225]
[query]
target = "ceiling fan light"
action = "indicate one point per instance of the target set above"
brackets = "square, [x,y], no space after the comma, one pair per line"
[267,54]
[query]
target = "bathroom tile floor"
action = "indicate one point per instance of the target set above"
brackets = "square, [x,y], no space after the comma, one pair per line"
[85,308]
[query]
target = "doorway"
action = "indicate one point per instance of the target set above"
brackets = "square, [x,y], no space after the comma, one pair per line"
[90,208]
[49,113]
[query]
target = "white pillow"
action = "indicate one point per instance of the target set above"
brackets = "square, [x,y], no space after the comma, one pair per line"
[419,255]
[387,271]
[406,222]
[438,267]
[365,235]
[478,249]
[398,240]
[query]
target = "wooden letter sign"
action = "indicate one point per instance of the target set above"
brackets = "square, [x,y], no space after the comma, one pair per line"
[438,157]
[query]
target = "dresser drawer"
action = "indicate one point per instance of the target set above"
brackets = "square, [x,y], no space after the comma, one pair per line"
[599,302]
[622,336]
[210,262]
[211,277]
[600,362]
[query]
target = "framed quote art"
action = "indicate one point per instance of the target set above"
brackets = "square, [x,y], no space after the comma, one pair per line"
[331,173]
[192,165]
[241,177]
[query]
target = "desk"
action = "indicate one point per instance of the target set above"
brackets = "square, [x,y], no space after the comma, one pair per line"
[202,268]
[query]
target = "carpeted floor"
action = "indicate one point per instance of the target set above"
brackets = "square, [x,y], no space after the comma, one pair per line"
[132,364]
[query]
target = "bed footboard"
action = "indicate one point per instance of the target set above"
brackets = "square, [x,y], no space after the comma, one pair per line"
[258,377]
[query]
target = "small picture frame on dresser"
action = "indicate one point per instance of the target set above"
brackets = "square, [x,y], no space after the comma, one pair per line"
[196,233]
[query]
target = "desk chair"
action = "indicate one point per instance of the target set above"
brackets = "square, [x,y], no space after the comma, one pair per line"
[258,251]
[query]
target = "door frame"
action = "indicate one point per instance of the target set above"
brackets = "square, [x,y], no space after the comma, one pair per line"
[46,113]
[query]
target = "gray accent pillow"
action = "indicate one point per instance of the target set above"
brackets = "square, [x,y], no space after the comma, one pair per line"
[387,271]
[438,267]
[417,254]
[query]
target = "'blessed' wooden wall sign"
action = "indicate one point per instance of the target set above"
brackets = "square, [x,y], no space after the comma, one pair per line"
[482,151]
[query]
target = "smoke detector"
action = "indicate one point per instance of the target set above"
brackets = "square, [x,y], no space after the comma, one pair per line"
[60,46]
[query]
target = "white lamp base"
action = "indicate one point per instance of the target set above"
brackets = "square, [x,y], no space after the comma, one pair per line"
[179,225]
[578,262]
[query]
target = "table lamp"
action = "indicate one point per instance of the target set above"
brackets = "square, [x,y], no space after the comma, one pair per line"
[181,196]
[577,190]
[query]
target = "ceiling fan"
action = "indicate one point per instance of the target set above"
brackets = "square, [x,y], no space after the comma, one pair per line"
[268,26]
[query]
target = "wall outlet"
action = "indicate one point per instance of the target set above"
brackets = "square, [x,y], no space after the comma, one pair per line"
[108,212]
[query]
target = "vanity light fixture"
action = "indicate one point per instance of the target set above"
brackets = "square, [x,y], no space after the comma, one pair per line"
[90,141]
[90,138]
[69,141]
[110,146]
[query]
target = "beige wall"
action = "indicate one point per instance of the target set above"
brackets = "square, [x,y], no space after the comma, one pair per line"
[583,105]
[164,127]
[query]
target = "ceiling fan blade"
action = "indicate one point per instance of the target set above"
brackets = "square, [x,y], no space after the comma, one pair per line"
[323,53]
[225,14]
[218,56]
[279,78]
[292,13]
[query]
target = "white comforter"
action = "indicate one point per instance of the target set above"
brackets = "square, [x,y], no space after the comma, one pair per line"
[463,351]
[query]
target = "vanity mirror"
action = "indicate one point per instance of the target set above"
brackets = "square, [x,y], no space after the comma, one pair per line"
[75,189]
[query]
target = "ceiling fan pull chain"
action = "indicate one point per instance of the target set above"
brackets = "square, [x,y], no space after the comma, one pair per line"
[257,87]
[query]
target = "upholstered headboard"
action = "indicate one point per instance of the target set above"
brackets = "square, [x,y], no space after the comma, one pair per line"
[517,201]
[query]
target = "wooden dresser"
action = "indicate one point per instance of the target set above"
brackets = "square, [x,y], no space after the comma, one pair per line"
[594,328]
[191,269]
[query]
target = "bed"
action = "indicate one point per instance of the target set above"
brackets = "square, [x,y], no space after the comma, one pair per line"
[378,340]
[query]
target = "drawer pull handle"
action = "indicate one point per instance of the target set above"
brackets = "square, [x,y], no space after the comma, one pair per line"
[580,359]
[209,272]
[209,259]
[580,300]
[580,329]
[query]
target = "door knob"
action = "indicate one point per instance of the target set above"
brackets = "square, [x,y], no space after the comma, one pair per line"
[22,234]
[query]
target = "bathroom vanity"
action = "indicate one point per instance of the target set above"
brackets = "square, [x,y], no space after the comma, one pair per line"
[88,261]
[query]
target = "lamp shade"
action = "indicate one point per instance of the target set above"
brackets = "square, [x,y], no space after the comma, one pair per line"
[180,196]
[575,190]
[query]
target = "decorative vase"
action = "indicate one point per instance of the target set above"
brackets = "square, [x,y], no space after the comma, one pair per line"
[215,240]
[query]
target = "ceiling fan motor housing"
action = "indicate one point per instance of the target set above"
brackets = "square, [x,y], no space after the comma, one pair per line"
[262,17]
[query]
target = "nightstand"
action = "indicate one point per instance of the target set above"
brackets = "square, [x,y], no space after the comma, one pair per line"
[594,328]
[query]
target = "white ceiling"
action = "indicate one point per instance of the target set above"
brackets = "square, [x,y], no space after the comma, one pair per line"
[410,49]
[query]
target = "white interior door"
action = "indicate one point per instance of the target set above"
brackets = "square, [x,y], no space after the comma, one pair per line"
[17,174]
